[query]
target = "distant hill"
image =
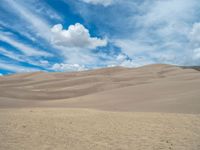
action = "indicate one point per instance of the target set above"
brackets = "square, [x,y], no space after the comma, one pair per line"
[191,67]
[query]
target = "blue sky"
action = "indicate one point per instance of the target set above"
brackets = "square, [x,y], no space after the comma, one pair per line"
[75,35]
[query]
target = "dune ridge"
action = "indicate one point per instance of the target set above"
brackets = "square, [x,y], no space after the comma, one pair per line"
[156,88]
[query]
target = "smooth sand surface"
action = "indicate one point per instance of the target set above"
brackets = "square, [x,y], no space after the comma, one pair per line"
[152,88]
[153,107]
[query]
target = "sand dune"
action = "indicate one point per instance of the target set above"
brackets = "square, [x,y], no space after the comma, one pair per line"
[158,88]
[153,107]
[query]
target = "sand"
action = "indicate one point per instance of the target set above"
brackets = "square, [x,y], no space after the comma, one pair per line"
[152,107]
[79,129]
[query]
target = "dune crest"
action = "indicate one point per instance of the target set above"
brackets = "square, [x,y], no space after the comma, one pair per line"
[164,88]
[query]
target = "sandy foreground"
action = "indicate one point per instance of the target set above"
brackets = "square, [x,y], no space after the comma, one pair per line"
[82,129]
[154,107]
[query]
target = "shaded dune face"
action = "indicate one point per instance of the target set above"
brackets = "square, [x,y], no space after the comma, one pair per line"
[47,86]
[149,88]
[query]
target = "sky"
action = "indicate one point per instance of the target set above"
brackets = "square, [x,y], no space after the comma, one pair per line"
[76,35]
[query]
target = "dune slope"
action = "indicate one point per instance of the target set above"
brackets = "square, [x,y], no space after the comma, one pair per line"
[158,88]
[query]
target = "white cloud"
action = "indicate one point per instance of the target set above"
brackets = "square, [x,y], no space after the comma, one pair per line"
[16,68]
[26,49]
[44,63]
[195,33]
[35,22]
[18,29]
[194,37]
[75,36]
[168,20]
[168,11]
[99,2]
[42,8]
[132,47]
[124,61]
[121,57]
[21,58]
[162,31]
[196,54]
[38,25]
[68,67]
[10,54]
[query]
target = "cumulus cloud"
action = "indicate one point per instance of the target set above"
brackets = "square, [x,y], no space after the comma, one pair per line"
[99,2]
[68,67]
[76,36]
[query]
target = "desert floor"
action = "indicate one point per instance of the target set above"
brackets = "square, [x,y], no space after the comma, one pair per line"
[149,108]
[82,129]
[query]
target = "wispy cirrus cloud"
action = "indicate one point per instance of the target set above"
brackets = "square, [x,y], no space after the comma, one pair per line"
[25,49]
[24,59]
[38,24]
[16,68]
[99,2]
[42,9]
